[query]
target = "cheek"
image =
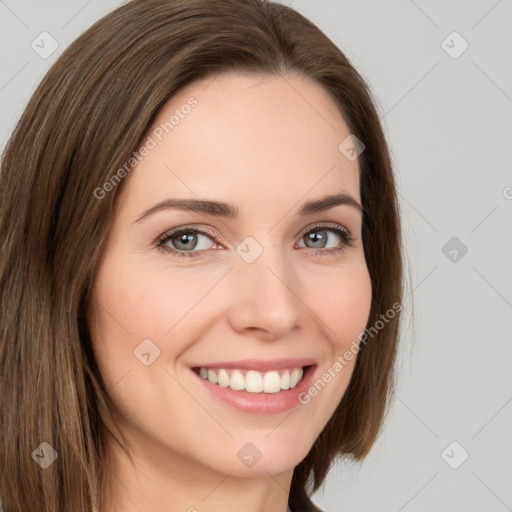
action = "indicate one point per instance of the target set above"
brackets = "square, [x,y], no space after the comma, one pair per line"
[343,305]
[343,309]
[138,311]
[135,303]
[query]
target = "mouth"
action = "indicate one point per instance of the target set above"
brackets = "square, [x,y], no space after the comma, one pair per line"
[252,381]
[256,386]
[256,392]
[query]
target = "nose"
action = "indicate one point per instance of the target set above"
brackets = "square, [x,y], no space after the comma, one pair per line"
[263,302]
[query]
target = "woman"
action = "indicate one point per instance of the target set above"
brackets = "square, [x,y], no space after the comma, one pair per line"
[200,266]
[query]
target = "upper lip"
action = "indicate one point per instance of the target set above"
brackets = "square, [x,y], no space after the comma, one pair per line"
[261,365]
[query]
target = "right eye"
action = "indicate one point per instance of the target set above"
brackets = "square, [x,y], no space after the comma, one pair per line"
[182,242]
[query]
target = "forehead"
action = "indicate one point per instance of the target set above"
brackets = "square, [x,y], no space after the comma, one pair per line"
[246,139]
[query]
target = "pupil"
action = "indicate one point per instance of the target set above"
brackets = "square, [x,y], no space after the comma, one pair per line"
[186,238]
[315,235]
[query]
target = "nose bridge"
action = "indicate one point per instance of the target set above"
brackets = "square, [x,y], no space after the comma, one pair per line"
[263,297]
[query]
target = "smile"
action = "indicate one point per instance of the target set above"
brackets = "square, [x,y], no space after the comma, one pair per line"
[253,381]
[256,392]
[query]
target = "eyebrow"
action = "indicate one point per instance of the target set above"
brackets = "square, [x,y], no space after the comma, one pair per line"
[228,210]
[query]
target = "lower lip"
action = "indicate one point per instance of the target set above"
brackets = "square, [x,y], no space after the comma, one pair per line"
[261,403]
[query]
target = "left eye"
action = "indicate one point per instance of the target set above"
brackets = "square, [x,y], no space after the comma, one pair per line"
[187,241]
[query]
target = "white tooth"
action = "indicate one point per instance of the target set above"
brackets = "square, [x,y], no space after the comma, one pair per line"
[223,378]
[253,382]
[295,377]
[271,382]
[212,377]
[237,381]
[285,380]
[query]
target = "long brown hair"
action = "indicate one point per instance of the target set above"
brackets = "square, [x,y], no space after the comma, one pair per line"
[87,117]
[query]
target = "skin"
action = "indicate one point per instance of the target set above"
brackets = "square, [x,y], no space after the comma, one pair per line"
[265,144]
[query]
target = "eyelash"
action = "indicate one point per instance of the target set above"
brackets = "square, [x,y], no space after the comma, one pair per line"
[161,242]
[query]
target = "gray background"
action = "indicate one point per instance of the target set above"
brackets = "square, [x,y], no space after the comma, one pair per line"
[448,121]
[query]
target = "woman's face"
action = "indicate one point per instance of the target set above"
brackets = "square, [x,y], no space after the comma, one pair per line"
[264,288]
